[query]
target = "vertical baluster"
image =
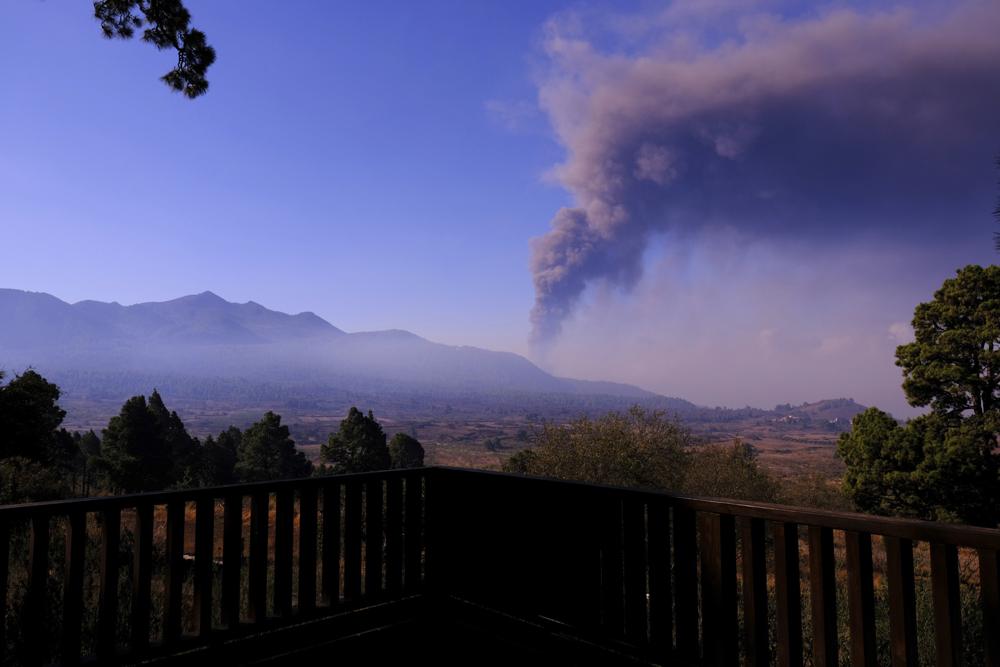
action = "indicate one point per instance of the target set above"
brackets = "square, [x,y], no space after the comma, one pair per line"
[612,576]
[989,581]
[373,539]
[531,574]
[284,531]
[718,589]
[660,596]
[460,540]
[257,576]
[902,602]
[413,540]
[542,576]
[175,572]
[823,591]
[4,579]
[394,536]
[307,548]
[492,558]
[686,583]
[755,630]
[729,653]
[578,559]
[35,601]
[76,542]
[142,575]
[331,544]
[634,552]
[947,614]
[352,541]
[203,554]
[861,598]
[438,503]
[787,594]
[232,559]
[107,614]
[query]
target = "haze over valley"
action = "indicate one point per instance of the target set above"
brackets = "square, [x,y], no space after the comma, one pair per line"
[222,363]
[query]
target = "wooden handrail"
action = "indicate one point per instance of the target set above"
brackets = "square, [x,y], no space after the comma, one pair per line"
[631,526]
[975,537]
[128,524]
[913,529]
[100,503]
[657,574]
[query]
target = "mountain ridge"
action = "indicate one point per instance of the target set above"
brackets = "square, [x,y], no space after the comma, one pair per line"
[205,335]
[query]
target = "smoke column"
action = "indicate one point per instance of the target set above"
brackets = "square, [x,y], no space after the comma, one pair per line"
[836,123]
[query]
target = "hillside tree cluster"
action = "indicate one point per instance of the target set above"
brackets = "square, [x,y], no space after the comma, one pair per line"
[146,447]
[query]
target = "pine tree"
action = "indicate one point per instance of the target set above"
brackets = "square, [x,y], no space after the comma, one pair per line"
[219,457]
[167,26]
[358,446]
[134,455]
[266,451]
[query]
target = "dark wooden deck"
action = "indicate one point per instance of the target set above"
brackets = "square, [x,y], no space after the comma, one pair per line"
[447,566]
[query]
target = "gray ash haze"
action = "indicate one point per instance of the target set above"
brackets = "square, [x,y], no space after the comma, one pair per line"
[821,127]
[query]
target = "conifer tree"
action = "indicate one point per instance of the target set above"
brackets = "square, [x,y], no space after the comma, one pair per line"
[358,446]
[267,451]
[134,456]
[166,24]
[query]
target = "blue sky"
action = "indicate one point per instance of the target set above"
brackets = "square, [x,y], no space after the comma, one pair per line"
[345,161]
[387,165]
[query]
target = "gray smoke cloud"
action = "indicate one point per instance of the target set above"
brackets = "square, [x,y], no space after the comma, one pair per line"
[844,122]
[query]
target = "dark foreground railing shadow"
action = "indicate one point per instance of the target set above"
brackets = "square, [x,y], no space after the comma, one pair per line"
[484,567]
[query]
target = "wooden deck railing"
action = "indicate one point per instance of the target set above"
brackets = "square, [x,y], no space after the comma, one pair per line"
[656,577]
[677,579]
[160,572]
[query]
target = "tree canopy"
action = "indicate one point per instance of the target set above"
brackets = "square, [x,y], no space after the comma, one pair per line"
[166,24]
[29,417]
[644,449]
[729,471]
[266,451]
[941,465]
[39,460]
[931,468]
[219,458]
[638,448]
[183,450]
[953,365]
[357,446]
[146,447]
[405,451]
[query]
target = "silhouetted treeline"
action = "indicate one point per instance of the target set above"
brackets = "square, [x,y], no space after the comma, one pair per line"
[146,447]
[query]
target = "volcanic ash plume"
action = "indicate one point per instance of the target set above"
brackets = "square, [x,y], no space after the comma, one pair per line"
[832,124]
